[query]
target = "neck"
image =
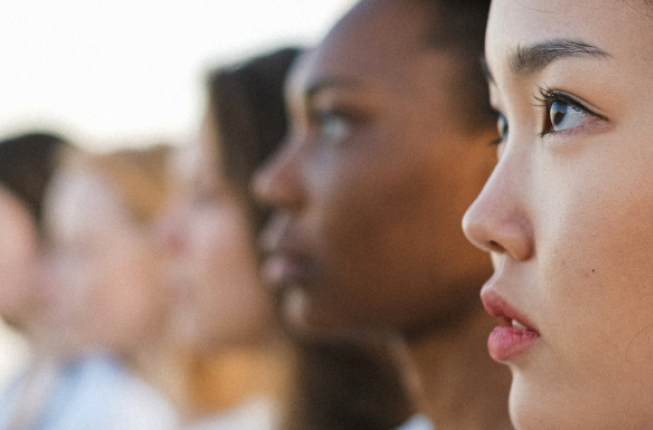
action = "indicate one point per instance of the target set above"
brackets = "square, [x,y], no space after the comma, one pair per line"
[154,360]
[460,387]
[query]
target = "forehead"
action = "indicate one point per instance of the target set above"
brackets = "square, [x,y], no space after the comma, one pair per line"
[374,39]
[621,28]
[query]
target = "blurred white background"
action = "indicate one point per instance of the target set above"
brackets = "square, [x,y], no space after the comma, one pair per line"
[125,71]
[128,72]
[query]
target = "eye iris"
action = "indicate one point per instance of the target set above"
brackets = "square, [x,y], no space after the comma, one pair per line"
[558,113]
[334,128]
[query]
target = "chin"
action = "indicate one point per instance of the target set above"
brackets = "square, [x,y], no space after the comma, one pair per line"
[305,317]
[537,406]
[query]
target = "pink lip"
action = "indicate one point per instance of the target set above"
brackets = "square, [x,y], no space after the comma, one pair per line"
[279,268]
[507,342]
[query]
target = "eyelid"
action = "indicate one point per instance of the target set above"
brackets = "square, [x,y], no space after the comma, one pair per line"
[548,97]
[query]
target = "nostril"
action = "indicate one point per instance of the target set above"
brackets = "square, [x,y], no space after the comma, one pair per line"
[495,247]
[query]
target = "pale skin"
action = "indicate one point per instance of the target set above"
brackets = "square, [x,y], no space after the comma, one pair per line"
[18,253]
[368,192]
[567,211]
[103,271]
[220,306]
[212,267]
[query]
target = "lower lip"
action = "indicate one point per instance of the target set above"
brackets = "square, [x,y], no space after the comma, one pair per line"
[506,343]
[279,270]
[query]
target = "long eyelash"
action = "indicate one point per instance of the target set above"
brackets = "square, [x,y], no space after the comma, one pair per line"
[548,97]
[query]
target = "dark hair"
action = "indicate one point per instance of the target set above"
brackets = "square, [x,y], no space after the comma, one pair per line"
[247,102]
[27,162]
[458,26]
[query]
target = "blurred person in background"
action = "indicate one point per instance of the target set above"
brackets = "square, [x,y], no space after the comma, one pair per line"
[389,144]
[111,307]
[222,304]
[52,393]
[105,320]
[27,164]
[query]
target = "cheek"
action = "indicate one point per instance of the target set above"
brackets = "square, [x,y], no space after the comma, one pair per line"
[595,253]
[227,293]
[382,218]
[129,306]
[222,244]
[17,258]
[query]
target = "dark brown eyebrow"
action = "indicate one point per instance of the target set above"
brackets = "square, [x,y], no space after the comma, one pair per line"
[530,59]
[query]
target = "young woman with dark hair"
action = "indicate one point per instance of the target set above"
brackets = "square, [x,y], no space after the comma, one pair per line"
[567,211]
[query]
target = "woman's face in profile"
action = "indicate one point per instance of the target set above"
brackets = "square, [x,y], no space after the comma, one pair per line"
[101,267]
[18,250]
[213,266]
[568,211]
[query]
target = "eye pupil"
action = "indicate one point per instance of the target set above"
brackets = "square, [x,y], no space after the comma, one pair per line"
[558,113]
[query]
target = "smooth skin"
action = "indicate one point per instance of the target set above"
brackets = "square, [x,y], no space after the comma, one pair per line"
[101,266]
[567,211]
[212,262]
[21,298]
[372,182]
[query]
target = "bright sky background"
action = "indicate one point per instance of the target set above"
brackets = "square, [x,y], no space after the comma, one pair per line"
[124,72]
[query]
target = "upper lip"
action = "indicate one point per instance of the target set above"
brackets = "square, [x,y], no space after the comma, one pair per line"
[276,238]
[279,240]
[499,307]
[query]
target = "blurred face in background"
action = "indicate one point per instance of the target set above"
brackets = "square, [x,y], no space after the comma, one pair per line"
[102,266]
[373,180]
[213,272]
[18,251]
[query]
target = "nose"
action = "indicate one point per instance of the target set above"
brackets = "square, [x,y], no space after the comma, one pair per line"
[278,182]
[169,230]
[498,220]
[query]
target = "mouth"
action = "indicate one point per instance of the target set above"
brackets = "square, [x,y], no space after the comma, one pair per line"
[284,263]
[515,336]
[283,268]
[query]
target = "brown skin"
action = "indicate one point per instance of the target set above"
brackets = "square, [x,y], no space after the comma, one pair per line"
[375,214]
[369,190]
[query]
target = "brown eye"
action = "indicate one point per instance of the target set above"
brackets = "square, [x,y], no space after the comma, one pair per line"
[563,116]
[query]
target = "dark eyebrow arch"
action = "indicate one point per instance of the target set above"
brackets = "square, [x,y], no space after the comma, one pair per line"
[531,59]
